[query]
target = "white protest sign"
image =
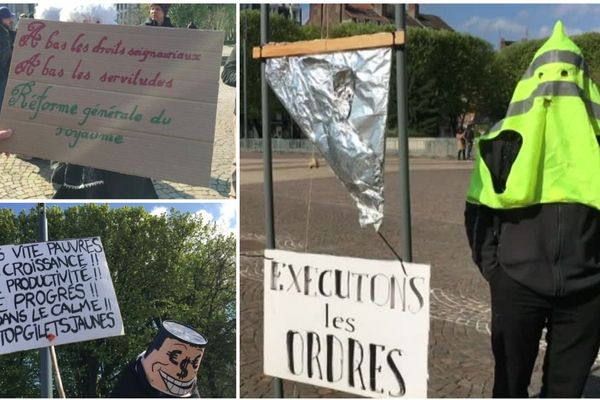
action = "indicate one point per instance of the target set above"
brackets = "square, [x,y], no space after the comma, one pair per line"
[53,293]
[354,325]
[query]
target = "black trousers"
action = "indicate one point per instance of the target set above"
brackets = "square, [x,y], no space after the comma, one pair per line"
[573,337]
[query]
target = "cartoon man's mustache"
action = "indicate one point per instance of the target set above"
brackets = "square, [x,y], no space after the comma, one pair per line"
[158,364]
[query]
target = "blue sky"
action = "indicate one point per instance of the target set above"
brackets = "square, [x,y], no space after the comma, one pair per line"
[516,21]
[223,214]
[513,21]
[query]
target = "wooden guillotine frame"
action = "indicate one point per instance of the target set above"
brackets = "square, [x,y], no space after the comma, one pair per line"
[267,50]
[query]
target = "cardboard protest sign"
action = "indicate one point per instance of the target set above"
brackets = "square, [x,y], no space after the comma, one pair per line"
[136,100]
[355,325]
[53,293]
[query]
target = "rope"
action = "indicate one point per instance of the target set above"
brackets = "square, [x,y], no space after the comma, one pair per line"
[327,22]
[313,158]
[310,182]
[393,251]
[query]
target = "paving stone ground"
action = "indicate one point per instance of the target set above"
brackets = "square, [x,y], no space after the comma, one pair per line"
[460,358]
[24,178]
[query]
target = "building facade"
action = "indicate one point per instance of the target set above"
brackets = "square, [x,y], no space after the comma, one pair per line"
[129,14]
[324,16]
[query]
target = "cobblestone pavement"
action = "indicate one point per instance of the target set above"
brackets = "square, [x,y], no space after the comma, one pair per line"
[22,178]
[460,358]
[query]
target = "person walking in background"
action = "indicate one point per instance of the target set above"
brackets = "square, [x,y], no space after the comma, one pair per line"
[158,16]
[533,223]
[460,144]
[7,39]
[228,76]
[470,138]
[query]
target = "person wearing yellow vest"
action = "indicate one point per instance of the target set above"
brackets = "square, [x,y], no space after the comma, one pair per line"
[533,223]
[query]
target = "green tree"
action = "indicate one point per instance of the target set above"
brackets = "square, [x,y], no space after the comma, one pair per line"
[449,66]
[163,267]
[281,30]
[212,17]
[215,17]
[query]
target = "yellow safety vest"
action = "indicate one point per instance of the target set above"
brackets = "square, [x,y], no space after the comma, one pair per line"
[555,109]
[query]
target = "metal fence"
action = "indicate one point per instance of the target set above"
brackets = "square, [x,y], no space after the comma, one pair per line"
[417,147]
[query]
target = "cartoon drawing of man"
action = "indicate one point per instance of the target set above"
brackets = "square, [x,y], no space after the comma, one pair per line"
[168,368]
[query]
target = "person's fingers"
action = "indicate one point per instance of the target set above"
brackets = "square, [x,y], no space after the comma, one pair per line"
[6,133]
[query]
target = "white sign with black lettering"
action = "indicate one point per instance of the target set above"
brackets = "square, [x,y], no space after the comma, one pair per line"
[354,325]
[53,293]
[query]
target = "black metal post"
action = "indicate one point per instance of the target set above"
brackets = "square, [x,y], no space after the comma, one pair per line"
[267,158]
[45,360]
[402,103]
[244,70]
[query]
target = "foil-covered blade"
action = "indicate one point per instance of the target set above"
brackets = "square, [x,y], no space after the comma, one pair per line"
[340,102]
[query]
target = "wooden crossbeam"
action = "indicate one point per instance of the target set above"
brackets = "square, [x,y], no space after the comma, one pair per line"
[320,46]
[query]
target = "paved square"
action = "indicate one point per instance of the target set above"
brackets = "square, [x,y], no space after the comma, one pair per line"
[460,358]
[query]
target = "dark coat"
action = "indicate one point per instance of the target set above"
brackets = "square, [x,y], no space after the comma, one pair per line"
[228,76]
[7,40]
[78,182]
[553,249]
[166,23]
[133,383]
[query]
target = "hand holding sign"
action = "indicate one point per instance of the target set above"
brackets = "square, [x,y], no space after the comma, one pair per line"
[5,134]
[55,293]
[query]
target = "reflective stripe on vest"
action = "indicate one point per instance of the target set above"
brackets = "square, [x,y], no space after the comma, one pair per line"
[555,56]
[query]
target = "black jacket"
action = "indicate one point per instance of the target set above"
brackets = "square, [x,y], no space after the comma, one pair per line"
[228,76]
[79,182]
[553,249]
[7,39]
[133,383]
[166,23]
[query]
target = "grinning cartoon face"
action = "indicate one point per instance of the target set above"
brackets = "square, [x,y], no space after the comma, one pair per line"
[173,367]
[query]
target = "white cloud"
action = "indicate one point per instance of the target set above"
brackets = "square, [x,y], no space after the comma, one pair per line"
[159,211]
[501,26]
[205,216]
[574,10]
[573,31]
[225,222]
[544,31]
[228,214]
